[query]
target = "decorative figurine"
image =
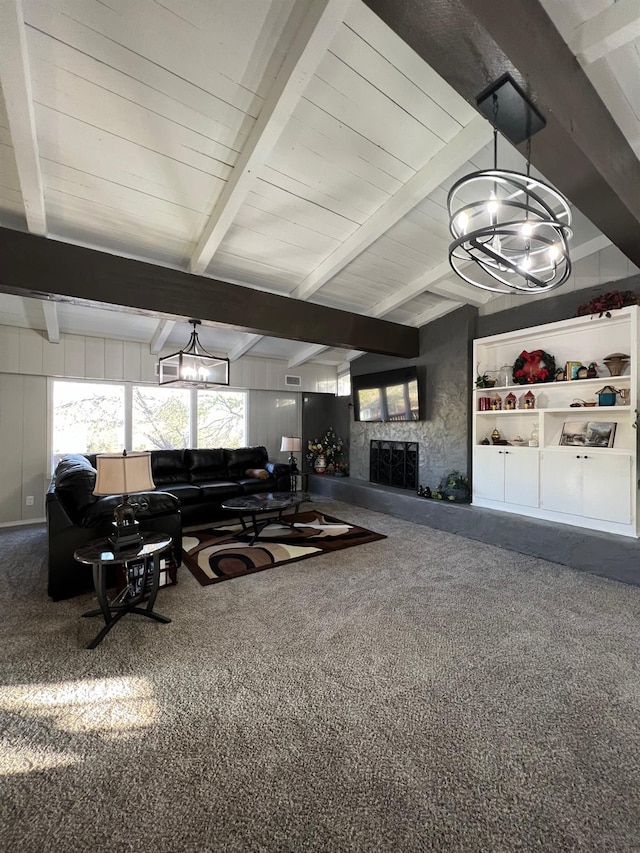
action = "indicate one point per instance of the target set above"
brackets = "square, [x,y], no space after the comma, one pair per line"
[533,438]
[592,370]
[529,400]
[560,375]
[496,403]
[495,436]
[510,402]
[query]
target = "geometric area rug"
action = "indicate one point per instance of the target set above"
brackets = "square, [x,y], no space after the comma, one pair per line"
[215,554]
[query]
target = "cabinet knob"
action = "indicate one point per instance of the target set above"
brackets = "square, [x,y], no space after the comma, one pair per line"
[500,451]
[578,456]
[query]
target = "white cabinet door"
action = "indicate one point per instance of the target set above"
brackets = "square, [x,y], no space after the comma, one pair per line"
[521,476]
[561,482]
[488,472]
[606,487]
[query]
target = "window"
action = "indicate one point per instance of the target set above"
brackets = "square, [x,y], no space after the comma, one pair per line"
[160,418]
[88,417]
[101,417]
[221,419]
[344,384]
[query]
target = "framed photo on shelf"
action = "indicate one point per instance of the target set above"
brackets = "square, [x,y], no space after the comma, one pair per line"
[588,433]
[571,369]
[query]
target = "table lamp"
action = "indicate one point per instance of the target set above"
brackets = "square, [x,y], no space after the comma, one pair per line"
[291,444]
[122,474]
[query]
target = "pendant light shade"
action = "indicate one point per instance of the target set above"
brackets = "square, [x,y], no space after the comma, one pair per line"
[193,366]
[510,231]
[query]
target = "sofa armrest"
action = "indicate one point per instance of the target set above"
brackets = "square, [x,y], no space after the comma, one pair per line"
[278,469]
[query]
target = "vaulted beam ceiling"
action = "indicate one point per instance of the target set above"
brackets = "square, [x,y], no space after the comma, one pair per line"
[612,28]
[471,43]
[42,268]
[323,19]
[15,80]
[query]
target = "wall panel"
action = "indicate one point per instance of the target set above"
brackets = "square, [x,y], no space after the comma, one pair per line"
[11,441]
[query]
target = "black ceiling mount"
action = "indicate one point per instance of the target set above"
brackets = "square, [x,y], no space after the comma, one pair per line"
[516,117]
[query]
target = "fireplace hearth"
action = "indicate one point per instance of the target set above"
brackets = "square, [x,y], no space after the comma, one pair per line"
[394,463]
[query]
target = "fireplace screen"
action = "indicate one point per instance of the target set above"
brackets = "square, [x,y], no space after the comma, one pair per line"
[394,463]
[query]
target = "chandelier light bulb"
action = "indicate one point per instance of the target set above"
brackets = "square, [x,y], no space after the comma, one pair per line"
[493,205]
[527,229]
[462,221]
[554,254]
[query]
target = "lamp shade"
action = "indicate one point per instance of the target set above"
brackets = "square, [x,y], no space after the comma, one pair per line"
[290,444]
[122,474]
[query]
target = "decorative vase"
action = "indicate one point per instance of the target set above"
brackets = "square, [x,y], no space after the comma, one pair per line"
[320,464]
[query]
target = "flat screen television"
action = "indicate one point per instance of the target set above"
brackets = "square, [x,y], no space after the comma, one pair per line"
[390,395]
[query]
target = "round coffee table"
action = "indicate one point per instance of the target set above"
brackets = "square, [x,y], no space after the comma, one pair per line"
[271,502]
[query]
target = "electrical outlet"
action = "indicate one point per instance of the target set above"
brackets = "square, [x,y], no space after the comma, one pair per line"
[30,500]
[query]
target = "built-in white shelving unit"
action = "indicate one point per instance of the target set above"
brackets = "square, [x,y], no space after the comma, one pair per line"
[593,487]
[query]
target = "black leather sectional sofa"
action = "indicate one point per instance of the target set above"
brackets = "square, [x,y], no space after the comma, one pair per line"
[190,486]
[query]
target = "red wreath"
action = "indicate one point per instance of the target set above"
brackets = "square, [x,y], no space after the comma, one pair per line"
[531,367]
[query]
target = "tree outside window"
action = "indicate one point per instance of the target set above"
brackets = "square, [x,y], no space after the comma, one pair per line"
[87,418]
[160,418]
[221,418]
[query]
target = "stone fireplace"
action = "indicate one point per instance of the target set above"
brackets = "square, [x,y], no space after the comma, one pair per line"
[394,463]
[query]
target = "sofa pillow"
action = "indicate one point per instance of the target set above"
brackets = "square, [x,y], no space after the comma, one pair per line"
[168,466]
[257,473]
[205,465]
[245,457]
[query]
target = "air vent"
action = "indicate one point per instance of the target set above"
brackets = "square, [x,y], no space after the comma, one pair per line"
[293,381]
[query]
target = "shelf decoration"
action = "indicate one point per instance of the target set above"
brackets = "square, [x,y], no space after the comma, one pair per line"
[588,434]
[496,403]
[532,367]
[510,402]
[529,400]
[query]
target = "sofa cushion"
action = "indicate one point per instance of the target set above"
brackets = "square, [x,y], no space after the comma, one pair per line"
[245,457]
[75,480]
[168,466]
[206,465]
[220,490]
[251,485]
[186,493]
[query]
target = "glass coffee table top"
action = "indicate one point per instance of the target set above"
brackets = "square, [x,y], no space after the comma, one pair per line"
[266,501]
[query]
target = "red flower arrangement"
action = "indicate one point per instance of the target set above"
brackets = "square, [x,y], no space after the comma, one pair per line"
[607,302]
[536,366]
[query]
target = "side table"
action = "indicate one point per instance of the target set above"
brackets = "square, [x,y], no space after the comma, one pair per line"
[139,587]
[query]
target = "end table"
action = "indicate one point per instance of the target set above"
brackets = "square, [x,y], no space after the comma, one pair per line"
[139,587]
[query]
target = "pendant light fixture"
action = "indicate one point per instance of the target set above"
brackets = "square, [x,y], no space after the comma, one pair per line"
[193,365]
[510,230]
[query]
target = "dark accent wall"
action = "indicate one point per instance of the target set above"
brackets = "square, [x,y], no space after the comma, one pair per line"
[445,353]
[319,412]
[548,309]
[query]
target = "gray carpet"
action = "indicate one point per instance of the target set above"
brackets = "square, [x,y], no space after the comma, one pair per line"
[423,692]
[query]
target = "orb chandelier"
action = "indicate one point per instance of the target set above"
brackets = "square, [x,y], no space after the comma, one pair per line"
[510,230]
[193,365]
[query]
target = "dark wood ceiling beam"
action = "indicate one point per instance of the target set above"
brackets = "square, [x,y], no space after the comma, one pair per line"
[47,269]
[471,43]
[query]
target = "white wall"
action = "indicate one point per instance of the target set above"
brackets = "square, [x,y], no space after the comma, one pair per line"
[27,359]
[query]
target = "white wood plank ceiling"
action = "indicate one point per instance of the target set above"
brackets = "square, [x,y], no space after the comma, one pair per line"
[294,146]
